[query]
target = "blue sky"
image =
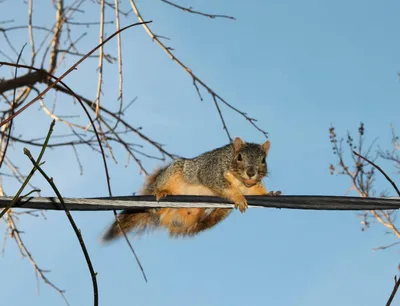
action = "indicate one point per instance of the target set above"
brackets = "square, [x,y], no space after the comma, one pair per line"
[297,67]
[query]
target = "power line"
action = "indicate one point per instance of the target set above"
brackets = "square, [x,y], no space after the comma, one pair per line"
[132,202]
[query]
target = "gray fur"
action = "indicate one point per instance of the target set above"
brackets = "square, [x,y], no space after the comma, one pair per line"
[208,168]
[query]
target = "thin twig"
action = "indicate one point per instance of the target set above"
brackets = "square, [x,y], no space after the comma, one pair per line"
[388,223]
[30,30]
[78,160]
[120,74]
[100,67]
[381,171]
[25,27]
[55,42]
[130,245]
[3,154]
[386,246]
[190,10]
[16,198]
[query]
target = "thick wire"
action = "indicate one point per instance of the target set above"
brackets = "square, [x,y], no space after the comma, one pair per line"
[280,202]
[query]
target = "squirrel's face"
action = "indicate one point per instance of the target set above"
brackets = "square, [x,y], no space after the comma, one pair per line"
[249,163]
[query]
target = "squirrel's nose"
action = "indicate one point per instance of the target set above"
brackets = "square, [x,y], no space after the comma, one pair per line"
[251,172]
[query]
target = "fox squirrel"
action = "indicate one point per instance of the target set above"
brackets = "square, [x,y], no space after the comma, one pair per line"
[231,172]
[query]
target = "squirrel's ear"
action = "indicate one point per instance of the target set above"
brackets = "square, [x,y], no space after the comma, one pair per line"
[265,146]
[238,144]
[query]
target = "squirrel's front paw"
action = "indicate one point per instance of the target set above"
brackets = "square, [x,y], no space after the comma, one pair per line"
[241,203]
[160,194]
[274,193]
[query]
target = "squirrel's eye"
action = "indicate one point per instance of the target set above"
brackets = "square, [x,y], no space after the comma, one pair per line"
[239,157]
[263,160]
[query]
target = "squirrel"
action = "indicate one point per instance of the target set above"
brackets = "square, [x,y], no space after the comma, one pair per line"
[231,172]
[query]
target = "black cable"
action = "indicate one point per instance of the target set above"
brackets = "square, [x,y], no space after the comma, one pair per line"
[286,202]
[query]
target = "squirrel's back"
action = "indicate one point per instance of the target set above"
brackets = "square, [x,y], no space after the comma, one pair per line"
[208,166]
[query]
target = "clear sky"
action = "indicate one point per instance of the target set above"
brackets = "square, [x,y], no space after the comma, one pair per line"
[296,66]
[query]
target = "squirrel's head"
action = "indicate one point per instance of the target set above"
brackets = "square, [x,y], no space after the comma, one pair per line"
[249,162]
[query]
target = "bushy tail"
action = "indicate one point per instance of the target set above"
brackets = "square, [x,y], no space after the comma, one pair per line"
[140,220]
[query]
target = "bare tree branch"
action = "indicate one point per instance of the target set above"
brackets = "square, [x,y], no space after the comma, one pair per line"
[395,288]
[100,67]
[71,220]
[361,177]
[55,42]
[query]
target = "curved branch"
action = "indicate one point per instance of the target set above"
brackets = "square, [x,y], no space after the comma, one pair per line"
[71,220]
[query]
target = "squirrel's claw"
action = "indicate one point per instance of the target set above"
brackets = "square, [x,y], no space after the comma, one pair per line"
[160,194]
[274,193]
[241,204]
